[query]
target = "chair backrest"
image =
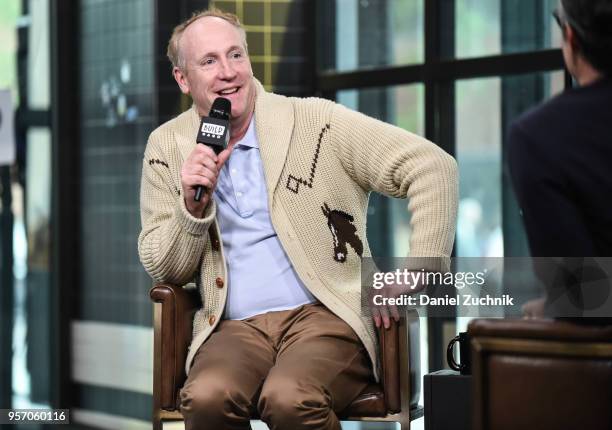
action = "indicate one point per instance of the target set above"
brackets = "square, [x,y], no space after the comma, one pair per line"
[541,374]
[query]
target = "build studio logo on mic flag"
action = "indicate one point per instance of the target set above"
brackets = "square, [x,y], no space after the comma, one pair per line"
[212,130]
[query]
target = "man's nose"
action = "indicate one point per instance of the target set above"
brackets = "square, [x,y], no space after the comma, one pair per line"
[226,70]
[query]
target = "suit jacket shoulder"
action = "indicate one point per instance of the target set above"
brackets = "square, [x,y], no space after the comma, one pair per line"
[561,117]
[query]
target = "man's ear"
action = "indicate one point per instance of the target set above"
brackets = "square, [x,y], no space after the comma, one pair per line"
[570,37]
[181,79]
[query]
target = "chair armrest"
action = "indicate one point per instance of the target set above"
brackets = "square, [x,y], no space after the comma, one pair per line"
[173,332]
[400,363]
[390,365]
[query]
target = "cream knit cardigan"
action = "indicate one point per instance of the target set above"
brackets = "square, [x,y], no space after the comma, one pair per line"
[315,154]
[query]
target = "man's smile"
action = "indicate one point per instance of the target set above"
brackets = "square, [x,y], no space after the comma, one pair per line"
[228,91]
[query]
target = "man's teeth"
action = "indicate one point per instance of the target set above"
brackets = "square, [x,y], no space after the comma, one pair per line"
[231,91]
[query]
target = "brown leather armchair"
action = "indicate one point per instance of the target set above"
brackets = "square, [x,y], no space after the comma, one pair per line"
[541,374]
[395,399]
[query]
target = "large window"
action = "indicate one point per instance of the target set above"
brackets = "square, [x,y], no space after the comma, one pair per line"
[480,104]
[370,33]
[110,329]
[493,27]
[458,72]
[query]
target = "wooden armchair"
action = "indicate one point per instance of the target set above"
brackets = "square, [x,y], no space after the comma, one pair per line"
[395,399]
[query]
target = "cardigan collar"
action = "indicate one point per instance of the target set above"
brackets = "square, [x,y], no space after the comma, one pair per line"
[274,120]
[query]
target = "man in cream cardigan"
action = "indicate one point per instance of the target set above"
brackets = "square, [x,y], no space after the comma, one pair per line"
[275,244]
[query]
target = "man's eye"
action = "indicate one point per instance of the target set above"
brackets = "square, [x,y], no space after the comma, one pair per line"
[237,55]
[208,61]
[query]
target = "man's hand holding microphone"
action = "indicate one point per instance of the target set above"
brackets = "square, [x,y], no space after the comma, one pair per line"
[200,170]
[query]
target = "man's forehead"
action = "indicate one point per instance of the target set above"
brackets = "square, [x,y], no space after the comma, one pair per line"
[210,28]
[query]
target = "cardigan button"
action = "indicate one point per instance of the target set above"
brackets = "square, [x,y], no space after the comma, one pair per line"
[219,282]
[212,320]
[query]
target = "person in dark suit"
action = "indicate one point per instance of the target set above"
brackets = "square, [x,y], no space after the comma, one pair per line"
[560,154]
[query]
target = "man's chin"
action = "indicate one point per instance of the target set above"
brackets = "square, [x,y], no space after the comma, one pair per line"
[237,113]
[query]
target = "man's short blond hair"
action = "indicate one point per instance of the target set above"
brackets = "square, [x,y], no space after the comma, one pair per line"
[174,53]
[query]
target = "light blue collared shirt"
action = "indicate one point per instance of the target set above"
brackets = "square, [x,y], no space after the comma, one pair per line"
[260,276]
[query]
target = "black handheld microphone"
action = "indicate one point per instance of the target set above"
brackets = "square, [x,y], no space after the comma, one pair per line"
[214,131]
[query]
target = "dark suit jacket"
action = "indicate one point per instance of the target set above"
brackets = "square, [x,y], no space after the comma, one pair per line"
[560,159]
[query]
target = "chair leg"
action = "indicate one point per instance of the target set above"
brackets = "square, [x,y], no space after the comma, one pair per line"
[157,422]
[404,422]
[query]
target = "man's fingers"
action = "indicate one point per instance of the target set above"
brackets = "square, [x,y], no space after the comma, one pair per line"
[201,151]
[386,322]
[394,312]
[384,313]
[206,171]
[200,161]
[376,316]
[208,163]
[534,308]
[199,180]
[223,156]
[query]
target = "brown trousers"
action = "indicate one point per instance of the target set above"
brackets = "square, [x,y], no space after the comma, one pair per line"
[296,369]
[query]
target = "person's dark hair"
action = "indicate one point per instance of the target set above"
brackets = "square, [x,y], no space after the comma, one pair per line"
[592,23]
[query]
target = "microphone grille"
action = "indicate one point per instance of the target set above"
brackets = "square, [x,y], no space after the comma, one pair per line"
[221,108]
